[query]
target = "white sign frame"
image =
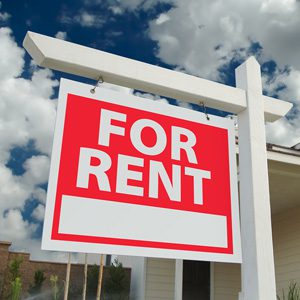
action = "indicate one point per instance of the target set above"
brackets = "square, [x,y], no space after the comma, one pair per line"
[66,87]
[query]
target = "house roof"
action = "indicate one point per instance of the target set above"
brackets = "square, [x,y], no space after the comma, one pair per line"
[295,150]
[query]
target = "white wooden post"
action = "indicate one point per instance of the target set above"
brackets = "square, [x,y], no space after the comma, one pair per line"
[67,283]
[258,276]
[85,277]
[178,279]
[98,296]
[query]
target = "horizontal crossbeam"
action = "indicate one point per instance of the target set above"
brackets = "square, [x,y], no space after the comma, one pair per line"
[91,63]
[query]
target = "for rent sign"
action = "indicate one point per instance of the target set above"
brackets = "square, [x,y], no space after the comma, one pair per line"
[136,177]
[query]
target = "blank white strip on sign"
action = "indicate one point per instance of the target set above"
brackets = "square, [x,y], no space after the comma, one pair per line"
[100,218]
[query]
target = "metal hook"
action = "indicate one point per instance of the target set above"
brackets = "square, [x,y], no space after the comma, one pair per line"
[204,110]
[99,81]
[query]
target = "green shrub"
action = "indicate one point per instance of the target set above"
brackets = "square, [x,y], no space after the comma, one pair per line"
[117,283]
[92,280]
[39,278]
[56,287]
[293,293]
[15,278]
[16,287]
[14,267]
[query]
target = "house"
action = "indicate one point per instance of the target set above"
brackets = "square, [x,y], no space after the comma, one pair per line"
[165,279]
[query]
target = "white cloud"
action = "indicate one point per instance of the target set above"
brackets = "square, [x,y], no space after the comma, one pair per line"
[117,10]
[139,4]
[26,111]
[11,56]
[125,90]
[117,88]
[4,16]
[84,19]
[151,97]
[212,33]
[15,190]
[284,132]
[26,114]
[121,6]
[13,193]
[61,35]
[39,194]
[37,170]
[39,212]
[14,228]
[204,25]
[285,84]
[162,18]
[88,20]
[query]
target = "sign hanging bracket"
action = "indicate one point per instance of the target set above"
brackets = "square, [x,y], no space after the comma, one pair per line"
[204,110]
[99,81]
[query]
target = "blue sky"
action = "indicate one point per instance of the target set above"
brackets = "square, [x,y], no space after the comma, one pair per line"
[204,38]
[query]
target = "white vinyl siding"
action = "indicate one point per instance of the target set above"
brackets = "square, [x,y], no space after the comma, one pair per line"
[160,279]
[286,228]
[227,281]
